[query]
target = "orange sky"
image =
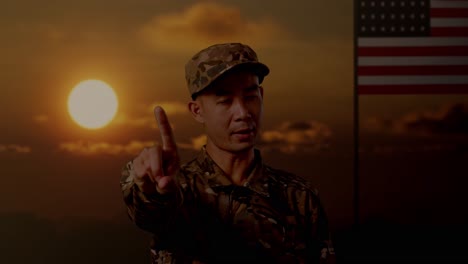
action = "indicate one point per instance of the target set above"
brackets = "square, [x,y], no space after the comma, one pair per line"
[56,169]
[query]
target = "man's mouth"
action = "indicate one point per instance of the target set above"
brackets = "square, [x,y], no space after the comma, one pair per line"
[243,131]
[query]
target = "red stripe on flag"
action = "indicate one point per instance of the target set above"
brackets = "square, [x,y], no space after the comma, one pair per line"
[413,89]
[413,70]
[449,12]
[413,51]
[449,31]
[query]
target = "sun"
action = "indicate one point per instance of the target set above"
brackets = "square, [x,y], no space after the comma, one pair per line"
[92,104]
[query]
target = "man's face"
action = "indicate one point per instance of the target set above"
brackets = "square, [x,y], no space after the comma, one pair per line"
[231,111]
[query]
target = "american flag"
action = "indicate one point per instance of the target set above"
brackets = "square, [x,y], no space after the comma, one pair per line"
[411,46]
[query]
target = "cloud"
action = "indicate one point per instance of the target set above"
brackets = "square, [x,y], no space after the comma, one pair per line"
[93,148]
[146,117]
[450,119]
[291,137]
[14,148]
[134,147]
[205,23]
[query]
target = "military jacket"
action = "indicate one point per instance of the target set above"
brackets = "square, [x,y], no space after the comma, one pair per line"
[274,217]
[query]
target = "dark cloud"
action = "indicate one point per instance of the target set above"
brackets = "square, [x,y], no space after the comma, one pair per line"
[81,147]
[448,120]
[291,137]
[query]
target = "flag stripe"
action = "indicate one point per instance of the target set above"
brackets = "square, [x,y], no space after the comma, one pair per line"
[413,89]
[449,12]
[413,51]
[413,70]
[412,42]
[449,22]
[449,4]
[405,80]
[412,61]
[449,31]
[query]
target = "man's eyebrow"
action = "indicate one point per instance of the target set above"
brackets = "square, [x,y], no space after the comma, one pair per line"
[252,88]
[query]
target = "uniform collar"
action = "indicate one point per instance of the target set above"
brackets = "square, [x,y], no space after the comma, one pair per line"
[214,176]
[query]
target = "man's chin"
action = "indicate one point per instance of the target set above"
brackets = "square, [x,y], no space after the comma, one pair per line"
[242,146]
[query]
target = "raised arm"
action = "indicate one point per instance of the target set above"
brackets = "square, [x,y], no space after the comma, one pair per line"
[149,183]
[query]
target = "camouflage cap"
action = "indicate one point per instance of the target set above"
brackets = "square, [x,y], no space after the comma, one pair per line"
[210,63]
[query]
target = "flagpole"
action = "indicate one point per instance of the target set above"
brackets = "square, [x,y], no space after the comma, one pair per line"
[356,123]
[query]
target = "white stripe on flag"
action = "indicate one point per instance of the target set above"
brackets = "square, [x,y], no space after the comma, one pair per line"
[412,42]
[449,22]
[448,4]
[408,80]
[412,61]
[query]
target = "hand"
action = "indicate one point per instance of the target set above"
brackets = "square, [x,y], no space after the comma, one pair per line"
[155,167]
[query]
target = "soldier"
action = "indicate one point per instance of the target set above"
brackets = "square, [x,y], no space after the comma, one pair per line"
[225,205]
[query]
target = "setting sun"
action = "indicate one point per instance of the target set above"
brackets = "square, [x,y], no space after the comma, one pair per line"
[92,104]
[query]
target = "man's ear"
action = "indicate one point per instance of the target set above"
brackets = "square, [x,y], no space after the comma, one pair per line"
[195,109]
[261,90]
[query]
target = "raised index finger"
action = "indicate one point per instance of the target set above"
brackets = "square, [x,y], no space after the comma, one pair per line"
[168,142]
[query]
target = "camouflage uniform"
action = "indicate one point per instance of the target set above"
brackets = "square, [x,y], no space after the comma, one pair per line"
[275,217]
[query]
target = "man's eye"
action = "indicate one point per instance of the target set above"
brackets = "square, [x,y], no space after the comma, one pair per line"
[224,101]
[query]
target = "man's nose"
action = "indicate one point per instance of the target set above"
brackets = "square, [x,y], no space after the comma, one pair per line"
[240,109]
